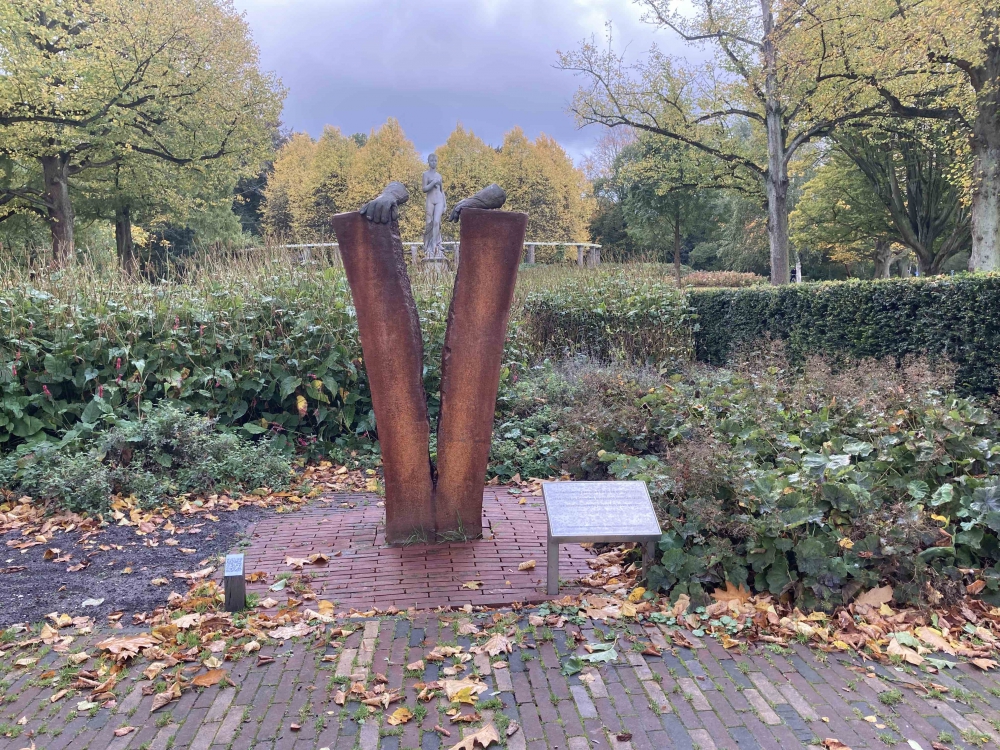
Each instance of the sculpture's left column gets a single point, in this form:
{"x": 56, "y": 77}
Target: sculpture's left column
{"x": 389, "y": 327}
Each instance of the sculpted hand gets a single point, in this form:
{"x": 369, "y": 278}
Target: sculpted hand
{"x": 488, "y": 198}
{"x": 385, "y": 208}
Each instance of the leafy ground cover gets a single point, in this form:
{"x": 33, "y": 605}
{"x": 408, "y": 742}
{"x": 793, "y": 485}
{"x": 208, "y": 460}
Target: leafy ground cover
{"x": 811, "y": 486}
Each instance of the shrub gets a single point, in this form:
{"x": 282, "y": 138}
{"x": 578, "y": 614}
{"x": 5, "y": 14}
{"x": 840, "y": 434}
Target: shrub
{"x": 937, "y": 318}
{"x": 276, "y": 355}
{"x": 723, "y": 279}
{"x": 610, "y": 317}
{"x": 811, "y": 483}
{"x": 166, "y": 454}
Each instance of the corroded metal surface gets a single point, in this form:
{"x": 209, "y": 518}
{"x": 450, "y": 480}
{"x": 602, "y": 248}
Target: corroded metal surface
{"x": 394, "y": 359}
{"x": 491, "y": 244}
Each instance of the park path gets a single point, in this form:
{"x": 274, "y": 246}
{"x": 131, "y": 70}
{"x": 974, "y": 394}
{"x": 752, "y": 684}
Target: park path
{"x": 705, "y": 698}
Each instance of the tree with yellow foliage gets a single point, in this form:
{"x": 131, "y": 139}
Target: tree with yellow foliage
{"x": 313, "y": 180}
{"x": 467, "y": 165}
{"x": 386, "y": 156}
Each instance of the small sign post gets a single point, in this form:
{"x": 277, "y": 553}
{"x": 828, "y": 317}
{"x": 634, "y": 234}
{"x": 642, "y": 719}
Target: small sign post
{"x": 235, "y": 584}
{"x": 613, "y": 512}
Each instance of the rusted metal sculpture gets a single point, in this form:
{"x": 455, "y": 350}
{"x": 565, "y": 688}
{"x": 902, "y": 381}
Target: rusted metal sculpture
{"x": 393, "y": 349}
{"x": 420, "y": 502}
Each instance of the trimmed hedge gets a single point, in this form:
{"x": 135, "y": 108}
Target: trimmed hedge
{"x": 957, "y": 318}
{"x": 611, "y": 317}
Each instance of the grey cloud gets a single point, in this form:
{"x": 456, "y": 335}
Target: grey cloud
{"x": 486, "y": 63}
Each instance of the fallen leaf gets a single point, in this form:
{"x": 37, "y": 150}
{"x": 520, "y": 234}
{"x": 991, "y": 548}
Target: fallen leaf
{"x": 159, "y": 582}
{"x": 92, "y": 602}
{"x": 497, "y": 645}
{"x": 831, "y": 744}
{"x": 58, "y": 696}
{"x": 209, "y": 678}
{"x": 731, "y": 593}
{"x": 876, "y": 597}
{"x": 462, "y": 691}
{"x": 483, "y": 738}
{"x": 527, "y": 565}
{"x": 122, "y": 731}
{"x": 416, "y": 666}
{"x": 985, "y": 664}
{"x": 474, "y": 585}
{"x": 162, "y": 699}
{"x": 400, "y": 716}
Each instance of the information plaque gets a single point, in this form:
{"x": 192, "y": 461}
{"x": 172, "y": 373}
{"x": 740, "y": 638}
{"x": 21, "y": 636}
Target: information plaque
{"x": 613, "y": 512}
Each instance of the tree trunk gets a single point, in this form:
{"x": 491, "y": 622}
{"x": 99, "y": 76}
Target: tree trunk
{"x": 677, "y": 245}
{"x": 776, "y": 178}
{"x": 123, "y": 239}
{"x": 986, "y": 178}
{"x": 55, "y": 173}
{"x": 883, "y": 258}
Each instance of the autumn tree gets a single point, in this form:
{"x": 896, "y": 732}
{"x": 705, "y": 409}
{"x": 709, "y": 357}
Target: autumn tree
{"x": 768, "y": 73}
{"x": 88, "y": 83}
{"x": 312, "y": 180}
{"x": 840, "y": 216}
{"x": 308, "y": 185}
{"x": 388, "y": 155}
{"x": 467, "y": 164}
{"x": 541, "y": 180}
{"x": 938, "y": 60}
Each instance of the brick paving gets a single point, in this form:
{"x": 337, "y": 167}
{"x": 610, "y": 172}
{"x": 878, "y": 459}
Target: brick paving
{"x": 765, "y": 698}
{"x": 705, "y": 698}
{"x": 365, "y": 573}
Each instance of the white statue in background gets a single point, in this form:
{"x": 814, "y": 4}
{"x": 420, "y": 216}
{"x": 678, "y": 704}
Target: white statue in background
{"x": 433, "y": 186}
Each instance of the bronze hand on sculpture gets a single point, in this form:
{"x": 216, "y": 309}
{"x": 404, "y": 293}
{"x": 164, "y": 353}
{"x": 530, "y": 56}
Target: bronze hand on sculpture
{"x": 417, "y": 501}
{"x": 385, "y": 208}
{"x": 488, "y": 198}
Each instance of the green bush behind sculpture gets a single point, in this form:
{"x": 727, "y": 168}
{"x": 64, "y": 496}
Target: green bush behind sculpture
{"x": 951, "y": 318}
{"x": 278, "y": 355}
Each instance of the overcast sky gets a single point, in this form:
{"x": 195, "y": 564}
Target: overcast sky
{"x": 433, "y": 63}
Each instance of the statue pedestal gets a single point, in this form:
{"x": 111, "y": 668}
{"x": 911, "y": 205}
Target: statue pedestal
{"x": 435, "y": 265}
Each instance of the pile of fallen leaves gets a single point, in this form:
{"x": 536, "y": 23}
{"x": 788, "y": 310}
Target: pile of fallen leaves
{"x": 870, "y": 626}
{"x": 40, "y": 522}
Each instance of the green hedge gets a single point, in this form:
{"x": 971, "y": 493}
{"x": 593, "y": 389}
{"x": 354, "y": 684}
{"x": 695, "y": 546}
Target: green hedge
{"x": 610, "y": 317}
{"x": 956, "y": 318}
{"x": 278, "y": 356}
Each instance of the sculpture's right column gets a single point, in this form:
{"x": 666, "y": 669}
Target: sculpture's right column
{"x": 491, "y": 242}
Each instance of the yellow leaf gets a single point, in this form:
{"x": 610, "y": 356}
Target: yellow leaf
{"x": 527, "y": 565}
{"x": 846, "y": 543}
{"x": 400, "y": 716}
{"x": 636, "y": 594}
{"x": 474, "y": 585}
{"x": 731, "y": 593}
